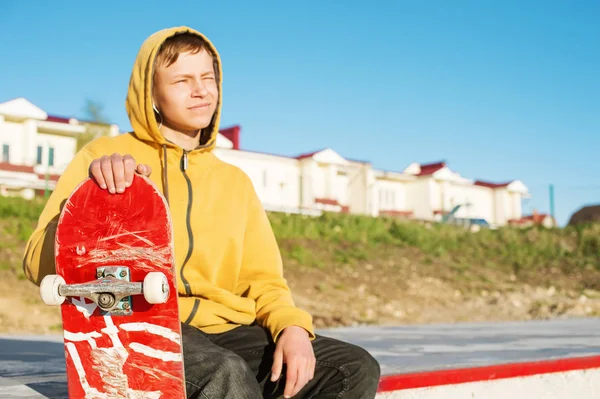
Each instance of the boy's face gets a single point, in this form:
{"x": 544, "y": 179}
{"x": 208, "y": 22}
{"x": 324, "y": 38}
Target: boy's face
{"x": 186, "y": 92}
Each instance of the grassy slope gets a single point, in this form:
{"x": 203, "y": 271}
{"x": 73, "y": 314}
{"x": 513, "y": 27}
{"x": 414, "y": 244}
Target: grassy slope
{"x": 533, "y": 255}
{"x": 354, "y": 269}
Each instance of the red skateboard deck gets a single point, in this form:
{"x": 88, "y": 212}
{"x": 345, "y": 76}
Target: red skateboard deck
{"x": 110, "y": 246}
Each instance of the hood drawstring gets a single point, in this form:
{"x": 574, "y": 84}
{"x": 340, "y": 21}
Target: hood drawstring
{"x": 165, "y": 178}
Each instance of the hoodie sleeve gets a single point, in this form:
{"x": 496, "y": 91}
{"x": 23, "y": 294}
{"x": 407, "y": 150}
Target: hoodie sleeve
{"x": 38, "y": 260}
{"x": 261, "y": 275}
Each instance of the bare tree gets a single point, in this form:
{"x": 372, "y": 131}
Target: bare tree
{"x": 96, "y": 123}
{"x": 93, "y": 112}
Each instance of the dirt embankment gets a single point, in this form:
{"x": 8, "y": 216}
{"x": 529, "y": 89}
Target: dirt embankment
{"x": 390, "y": 285}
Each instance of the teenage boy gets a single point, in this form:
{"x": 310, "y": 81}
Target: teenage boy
{"x": 243, "y": 337}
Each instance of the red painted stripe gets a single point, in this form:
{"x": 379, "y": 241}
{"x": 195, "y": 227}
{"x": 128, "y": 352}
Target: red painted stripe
{"x": 486, "y": 373}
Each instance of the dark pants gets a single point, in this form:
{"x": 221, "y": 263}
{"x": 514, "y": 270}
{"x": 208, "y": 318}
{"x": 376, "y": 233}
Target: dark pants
{"x": 237, "y": 364}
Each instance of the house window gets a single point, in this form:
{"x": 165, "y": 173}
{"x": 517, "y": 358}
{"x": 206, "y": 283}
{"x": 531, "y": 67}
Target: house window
{"x": 51, "y": 156}
{"x": 387, "y": 198}
{"x": 39, "y": 155}
{"x": 5, "y": 153}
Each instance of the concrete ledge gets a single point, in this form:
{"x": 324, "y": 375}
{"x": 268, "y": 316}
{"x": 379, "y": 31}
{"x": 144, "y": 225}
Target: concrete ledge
{"x": 553, "y": 379}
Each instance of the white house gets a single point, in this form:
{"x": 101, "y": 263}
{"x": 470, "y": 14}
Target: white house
{"x": 446, "y": 190}
{"x": 326, "y": 181}
{"x": 37, "y": 147}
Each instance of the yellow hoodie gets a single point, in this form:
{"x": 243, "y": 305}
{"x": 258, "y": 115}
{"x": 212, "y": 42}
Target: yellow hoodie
{"x": 228, "y": 262}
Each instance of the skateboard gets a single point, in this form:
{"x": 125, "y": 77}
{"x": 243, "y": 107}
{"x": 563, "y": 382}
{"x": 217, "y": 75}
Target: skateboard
{"x": 116, "y": 285}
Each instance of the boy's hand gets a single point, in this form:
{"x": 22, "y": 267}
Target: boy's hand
{"x": 295, "y": 350}
{"x": 115, "y": 172}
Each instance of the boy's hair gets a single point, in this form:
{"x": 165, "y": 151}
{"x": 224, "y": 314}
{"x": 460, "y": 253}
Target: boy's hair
{"x": 181, "y": 43}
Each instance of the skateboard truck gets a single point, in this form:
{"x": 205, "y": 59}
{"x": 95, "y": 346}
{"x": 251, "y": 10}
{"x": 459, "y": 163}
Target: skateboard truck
{"x": 111, "y": 291}
{"x": 118, "y": 301}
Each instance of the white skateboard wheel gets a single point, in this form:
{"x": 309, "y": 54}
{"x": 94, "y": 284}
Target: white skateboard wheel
{"x": 156, "y": 288}
{"x": 49, "y": 290}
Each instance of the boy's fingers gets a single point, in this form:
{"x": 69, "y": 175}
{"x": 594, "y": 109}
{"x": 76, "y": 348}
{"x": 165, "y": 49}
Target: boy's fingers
{"x": 144, "y": 170}
{"x": 148, "y": 170}
{"x": 311, "y": 369}
{"x": 96, "y": 173}
{"x": 107, "y": 174}
{"x": 302, "y": 377}
{"x": 128, "y": 169}
{"x": 118, "y": 172}
{"x": 277, "y": 365}
{"x": 291, "y": 378}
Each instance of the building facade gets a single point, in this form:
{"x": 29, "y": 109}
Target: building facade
{"x": 36, "y": 148}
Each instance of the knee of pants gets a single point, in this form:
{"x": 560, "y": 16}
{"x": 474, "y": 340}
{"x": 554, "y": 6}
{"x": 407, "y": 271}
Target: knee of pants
{"x": 221, "y": 368}
{"x": 226, "y": 375}
{"x": 368, "y": 368}
{"x": 233, "y": 366}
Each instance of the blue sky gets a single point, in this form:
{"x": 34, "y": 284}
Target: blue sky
{"x": 500, "y": 90}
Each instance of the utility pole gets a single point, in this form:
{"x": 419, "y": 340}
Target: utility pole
{"x": 551, "y": 189}
{"x": 46, "y": 188}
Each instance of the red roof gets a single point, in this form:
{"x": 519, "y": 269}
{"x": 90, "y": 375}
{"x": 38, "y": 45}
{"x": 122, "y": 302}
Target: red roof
{"x": 16, "y": 168}
{"x": 395, "y": 213}
{"x": 309, "y": 154}
{"x": 50, "y": 177}
{"x": 57, "y": 119}
{"x": 490, "y": 184}
{"x": 62, "y": 119}
{"x": 334, "y": 202}
{"x": 327, "y": 201}
{"x": 430, "y": 168}
{"x": 233, "y": 134}
{"x": 536, "y": 218}
{"x": 9, "y": 167}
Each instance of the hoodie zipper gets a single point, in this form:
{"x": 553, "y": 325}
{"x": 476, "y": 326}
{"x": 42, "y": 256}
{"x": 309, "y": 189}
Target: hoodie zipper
{"x": 186, "y": 284}
{"x": 184, "y": 161}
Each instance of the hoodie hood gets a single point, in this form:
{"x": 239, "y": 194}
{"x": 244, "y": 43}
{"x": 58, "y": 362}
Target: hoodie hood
{"x": 139, "y": 96}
